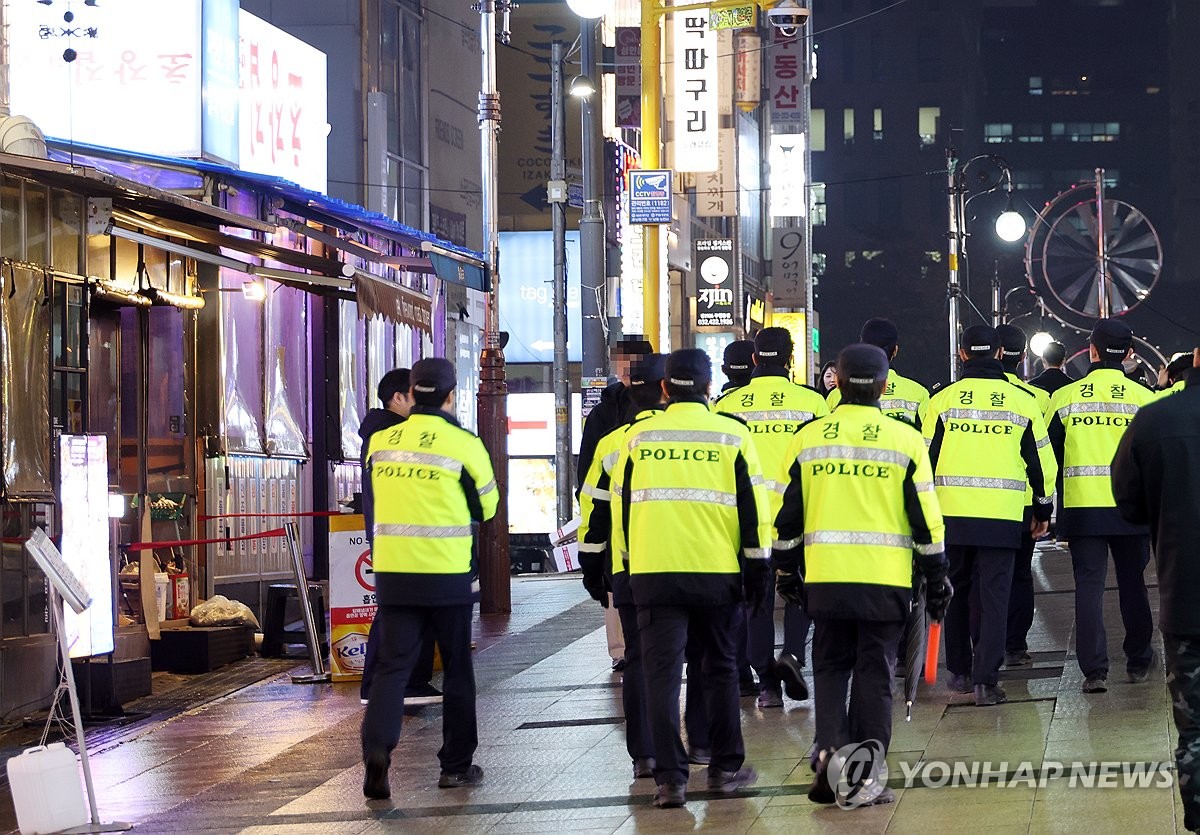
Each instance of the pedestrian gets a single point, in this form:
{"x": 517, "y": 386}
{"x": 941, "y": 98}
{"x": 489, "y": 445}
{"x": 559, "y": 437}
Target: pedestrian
{"x": 606, "y": 416}
{"x": 827, "y": 379}
{"x": 902, "y": 397}
{"x": 1053, "y": 377}
{"x": 1154, "y": 483}
{"x": 858, "y": 510}
{"x": 738, "y": 363}
{"x": 774, "y": 408}
{"x": 603, "y": 576}
{"x": 1020, "y": 597}
{"x": 393, "y": 392}
{"x": 1174, "y": 374}
{"x": 691, "y": 513}
{"x": 1087, "y": 420}
{"x": 432, "y": 480}
{"x": 987, "y": 443}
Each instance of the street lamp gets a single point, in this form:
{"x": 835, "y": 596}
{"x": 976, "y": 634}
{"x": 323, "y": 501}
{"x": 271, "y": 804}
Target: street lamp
{"x": 1010, "y": 226}
{"x": 582, "y": 87}
{"x": 590, "y": 9}
{"x": 1039, "y": 342}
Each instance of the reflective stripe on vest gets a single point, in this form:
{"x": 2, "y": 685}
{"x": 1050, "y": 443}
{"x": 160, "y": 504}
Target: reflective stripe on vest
{"x": 896, "y": 403}
{"x": 1073, "y": 472}
{"x": 684, "y": 494}
{"x": 854, "y": 453}
{"x": 400, "y": 456}
{"x": 776, "y": 414}
{"x": 1102, "y": 408}
{"x": 978, "y": 481}
{"x": 892, "y": 540}
{"x": 699, "y": 436}
{"x": 423, "y": 531}
{"x": 596, "y": 493}
{"x": 757, "y": 553}
{"x": 986, "y": 414}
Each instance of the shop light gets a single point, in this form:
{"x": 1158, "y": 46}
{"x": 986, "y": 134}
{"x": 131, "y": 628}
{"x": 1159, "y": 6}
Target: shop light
{"x": 254, "y": 291}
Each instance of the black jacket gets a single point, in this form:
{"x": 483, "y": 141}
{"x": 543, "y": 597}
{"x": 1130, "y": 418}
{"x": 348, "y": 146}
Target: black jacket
{"x": 1156, "y": 481}
{"x": 375, "y": 420}
{"x": 1051, "y": 380}
{"x": 606, "y": 416}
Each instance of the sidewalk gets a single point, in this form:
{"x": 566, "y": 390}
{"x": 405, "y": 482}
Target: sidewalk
{"x": 282, "y": 758}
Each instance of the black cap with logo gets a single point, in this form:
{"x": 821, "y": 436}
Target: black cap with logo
{"x": 979, "y": 341}
{"x": 689, "y": 368}
{"x": 773, "y": 346}
{"x": 862, "y": 364}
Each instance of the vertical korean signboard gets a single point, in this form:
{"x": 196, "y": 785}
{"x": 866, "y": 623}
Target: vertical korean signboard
{"x": 627, "y": 55}
{"x": 717, "y": 191}
{"x": 351, "y": 596}
{"x": 695, "y": 93}
{"x": 786, "y": 79}
{"x": 716, "y": 280}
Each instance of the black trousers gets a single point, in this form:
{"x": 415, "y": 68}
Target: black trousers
{"x": 422, "y": 672}
{"x": 1089, "y": 559}
{"x": 761, "y": 634}
{"x": 664, "y": 631}
{"x": 402, "y": 630}
{"x": 982, "y": 578}
{"x": 1020, "y": 597}
{"x": 633, "y": 688}
{"x": 1183, "y": 679}
{"x": 864, "y": 651}
{"x": 695, "y": 701}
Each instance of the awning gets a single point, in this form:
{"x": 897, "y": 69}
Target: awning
{"x": 458, "y": 271}
{"x": 393, "y": 302}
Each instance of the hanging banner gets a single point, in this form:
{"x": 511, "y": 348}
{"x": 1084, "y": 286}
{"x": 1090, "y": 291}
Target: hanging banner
{"x": 627, "y": 56}
{"x": 789, "y": 274}
{"x": 351, "y": 596}
{"x": 717, "y": 191}
{"x": 715, "y": 283}
{"x": 695, "y": 95}
{"x": 786, "y": 79}
{"x": 747, "y": 70}
{"x": 789, "y": 187}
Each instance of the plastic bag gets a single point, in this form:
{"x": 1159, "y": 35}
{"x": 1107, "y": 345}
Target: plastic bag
{"x": 219, "y": 610}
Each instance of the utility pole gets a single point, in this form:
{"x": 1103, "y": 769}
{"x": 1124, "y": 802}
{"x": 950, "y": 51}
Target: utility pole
{"x": 591, "y": 229}
{"x": 556, "y": 196}
{"x": 954, "y": 191}
{"x": 495, "y": 566}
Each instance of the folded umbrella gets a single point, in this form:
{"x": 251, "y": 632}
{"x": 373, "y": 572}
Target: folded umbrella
{"x": 914, "y": 643}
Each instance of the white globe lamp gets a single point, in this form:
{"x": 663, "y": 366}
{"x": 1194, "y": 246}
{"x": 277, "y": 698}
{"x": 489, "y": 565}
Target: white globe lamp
{"x": 1039, "y": 341}
{"x": 590, "y": 9}
{"x": 1010, "y": 226}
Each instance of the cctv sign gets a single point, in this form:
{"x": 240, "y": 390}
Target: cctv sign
{"x": 716, "y": 282}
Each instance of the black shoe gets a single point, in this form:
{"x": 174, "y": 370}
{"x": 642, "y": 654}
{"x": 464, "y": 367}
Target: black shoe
{"x": 989, "y": 694}
{"x": 1139, "y": 674}
{"x": 1020, "y": 658}
{"x": 770, "y": 696}
{"x": 727, "y": 782}
{"x": 886, "y": 795}
{"x": 422, "y": 694}
{"x": 618, "y": 665}
{"x": 820, "y": 791}
{"x": 699, "y": 756}
{"x": 375, "y": 783}
{"x": 748, "y": 687}
{"x": 670, "y": 796}
{"x": 1095, "y": 683}
{"x": 959, "y": 684}
{"x": 473, "y": 776}
{"x": 643, "y": 767}
{"x": 789, "y": 670}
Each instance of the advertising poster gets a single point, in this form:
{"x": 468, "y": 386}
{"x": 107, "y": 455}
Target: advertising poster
{"x": 716, "y": 279}
{"x": 351, "y": 596}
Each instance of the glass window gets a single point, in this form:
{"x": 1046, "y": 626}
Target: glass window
{"x": 99, "y": 256}
{"x": 996, "y": 132}
{"x": 816, "y": 129}
{"x": 877, "y": 124}
{"x": 816, "y": 196}
{"x": 11, "y": 239}
{"x": 65, "y": 220}
{"x": 37, "y": 247}
{"x": 848, "y": 125}
{"x": 1035, "y": 85}
{"x": 927, "y": 125}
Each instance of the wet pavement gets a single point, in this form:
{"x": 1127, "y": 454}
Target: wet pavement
{"x": 277, "y": 757}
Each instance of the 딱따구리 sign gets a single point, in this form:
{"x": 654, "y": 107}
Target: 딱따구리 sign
{"x": 716, "y": 281}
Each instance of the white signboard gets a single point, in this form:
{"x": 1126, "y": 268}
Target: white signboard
{"x": 135, "y": 80}
{"x": 789, "y": 189}
{"x": 283, "y": 105}
{"x": 695, "y": 94}
{"x": 83, "y": 491}
{"x": 717, "y": 191}
{"x": 531, "y": 424}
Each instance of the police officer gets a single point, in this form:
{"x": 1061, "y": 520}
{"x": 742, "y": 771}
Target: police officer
{"x": 691, "y": 514}
{"x": 432, "y": 480}
{"x": 902, "y": 398}
{"x": 1087, "y": 421}
{"x": 738, "y": 364}
{"x": 987, "y": 442}
{"x": 1020, "y": 598}
{"x": 859, "y": 508}
{"x": 602, "y": 574}
{"x": 774, "y": 408}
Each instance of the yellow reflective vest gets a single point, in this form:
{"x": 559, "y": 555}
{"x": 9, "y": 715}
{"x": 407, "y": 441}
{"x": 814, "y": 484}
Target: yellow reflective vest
{"x": 432, "y": 479}
{"x": 858, "y": 506}
{"x": 1087, "y": 420}
{"x": 902, "y": 398}
{"x": 1040, "y": 395}
{"x": 988, "y": 443}
{"x": 689, "y": 498}
{"x": 774, "y": 408}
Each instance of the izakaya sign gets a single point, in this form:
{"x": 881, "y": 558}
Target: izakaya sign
{"x": 715, "y": 282}
{"x": 695, "y": 94}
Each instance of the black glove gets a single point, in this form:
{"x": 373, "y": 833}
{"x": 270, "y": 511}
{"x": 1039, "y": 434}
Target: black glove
{"x": 790, "y": 586}
{"x": 593, "y": 580}
{"x": 937, "y": 598}
{"x": 756, "y": 577}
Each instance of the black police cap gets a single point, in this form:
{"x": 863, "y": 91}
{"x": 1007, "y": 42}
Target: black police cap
{"x": 1112, "y": 338}
{"x": 862, "y": 364}
{"x": 773, "y": 346}
{"x": 433, "y": 375}
{"x": 880, "y": 332}
{"x": 632, "y": 345}
{"x": 979, "y": 340}
{"x": 648, "y": 369}
{"x": 739, "y": 355}
{"x": 1012, "y": 340}
{"x": 689, "y": 368}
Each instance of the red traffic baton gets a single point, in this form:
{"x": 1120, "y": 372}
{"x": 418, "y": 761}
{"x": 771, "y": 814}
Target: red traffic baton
{"x": 932, "y": 646}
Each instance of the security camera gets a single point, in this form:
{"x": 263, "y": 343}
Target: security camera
{"x": 788, "y": 17}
